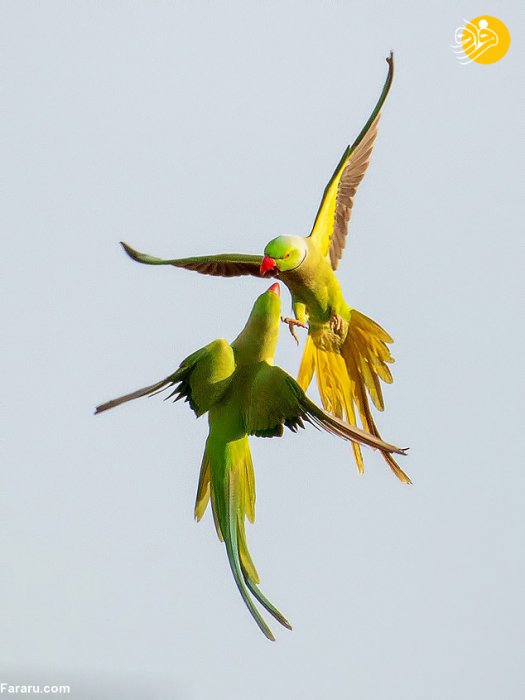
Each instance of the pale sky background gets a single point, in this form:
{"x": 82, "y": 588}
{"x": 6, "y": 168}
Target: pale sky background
{"x": 190, "y": 128}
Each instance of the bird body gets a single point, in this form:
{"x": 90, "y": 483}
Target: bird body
{"x": 345, "y": 350}
{"x": 244, "y": 394}
{"x": 312, "y": 283}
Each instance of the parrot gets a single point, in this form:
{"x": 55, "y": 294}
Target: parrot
{"x": 244, "y": 394}
{"x": 346, "y": 350}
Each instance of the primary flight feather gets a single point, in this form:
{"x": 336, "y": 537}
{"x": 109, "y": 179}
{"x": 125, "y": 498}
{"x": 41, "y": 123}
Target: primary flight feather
{"x": 244, "y": 394}
{"x": 346, "y": 351}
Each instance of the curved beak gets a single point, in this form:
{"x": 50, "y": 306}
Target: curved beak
{"x": 267, "y": 264}
{"x": 275, "y": 289}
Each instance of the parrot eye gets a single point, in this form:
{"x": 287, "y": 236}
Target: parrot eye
{"x": 286, "y": 256}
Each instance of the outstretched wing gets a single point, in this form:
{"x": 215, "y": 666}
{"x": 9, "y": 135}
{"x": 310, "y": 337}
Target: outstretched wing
{"x": 331, "y": 223}
{"x": 201, "y": 379}
{"x": 223, "y": 265}
{"x": 274, "y": 401}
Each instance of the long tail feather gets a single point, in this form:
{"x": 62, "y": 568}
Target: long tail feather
{"x": 266, "y": 603}
{"x": 227, "y": 476}
{"x": 232, "y": 548}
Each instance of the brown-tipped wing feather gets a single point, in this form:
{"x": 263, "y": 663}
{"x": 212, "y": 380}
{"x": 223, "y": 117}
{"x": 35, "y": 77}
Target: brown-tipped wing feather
{"x": 280, "y": 402}
{"x": 201, "y": 379}
{"x": 148, "y": 390}
{"x": 222, "y": 265}
{"x": 335, "y": 426}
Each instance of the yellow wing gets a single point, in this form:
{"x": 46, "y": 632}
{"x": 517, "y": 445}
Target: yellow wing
{"x": 331, "y": 223}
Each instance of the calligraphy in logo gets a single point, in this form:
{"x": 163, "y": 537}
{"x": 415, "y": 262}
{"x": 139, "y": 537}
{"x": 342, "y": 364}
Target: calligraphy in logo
{"x": 484, "y": 39}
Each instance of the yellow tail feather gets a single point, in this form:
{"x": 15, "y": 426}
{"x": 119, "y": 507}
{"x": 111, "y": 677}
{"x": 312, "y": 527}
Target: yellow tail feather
{"x": 203, "y": 489}
{"x": 344, "y": 377}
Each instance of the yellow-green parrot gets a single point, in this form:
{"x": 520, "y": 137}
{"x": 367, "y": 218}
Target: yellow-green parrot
{"x": 244, "y": 394}
{"x": 346, "y": 350}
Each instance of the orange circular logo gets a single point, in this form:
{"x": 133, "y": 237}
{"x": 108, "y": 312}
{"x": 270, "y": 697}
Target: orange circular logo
{"x": 485, "y": 39}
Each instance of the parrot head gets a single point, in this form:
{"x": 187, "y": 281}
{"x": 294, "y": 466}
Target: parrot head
{"x": 283, "y": 253}
{"x": 268, "y": 304}
{"x": 258, "y": 339}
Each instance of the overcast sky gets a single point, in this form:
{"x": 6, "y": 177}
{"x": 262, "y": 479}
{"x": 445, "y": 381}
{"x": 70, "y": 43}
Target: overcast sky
{"x": 190, "y": 128}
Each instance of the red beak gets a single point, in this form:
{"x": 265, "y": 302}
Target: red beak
{"x": 267, "y": 264}
{"x": 275, "y": 289}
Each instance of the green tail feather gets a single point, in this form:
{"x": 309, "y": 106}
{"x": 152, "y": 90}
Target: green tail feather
{"x": 266, "y": 603}
{"x": 232, "y": 549}
{"x": 230, "y": 464}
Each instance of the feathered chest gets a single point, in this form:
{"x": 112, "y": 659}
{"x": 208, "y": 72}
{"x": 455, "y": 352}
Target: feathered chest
{"x": 315, "y": 285}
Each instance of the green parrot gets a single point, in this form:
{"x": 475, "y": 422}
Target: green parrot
{"x": 346, "y": 351}
{"x": 244, "y": 394}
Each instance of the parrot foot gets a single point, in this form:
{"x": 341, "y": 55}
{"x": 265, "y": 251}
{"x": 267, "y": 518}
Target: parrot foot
{"x": 336, "y": 324}
{"x": 291, "y": 323}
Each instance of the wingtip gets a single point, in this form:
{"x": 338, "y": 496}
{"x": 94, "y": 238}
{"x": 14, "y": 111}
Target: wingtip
{"x": 103, "y": 408}
{"x": 129, "y": 250}
{"x": 390, "y": 61}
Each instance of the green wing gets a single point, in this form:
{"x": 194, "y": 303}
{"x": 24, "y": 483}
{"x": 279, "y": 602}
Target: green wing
{"x": 274, "y": 400}
{"x": 201, "y": 380}
{"x": 331, "y": 222}
{"x": 223, "y": 265}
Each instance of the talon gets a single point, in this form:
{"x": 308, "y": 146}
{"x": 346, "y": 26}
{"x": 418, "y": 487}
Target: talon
{"x": 291, "y": 323}
{"x": 336, "y": 324}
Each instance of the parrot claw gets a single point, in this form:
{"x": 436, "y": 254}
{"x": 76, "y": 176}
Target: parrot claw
{"x": 291, "y": 323}
{"x": 336, "y": 324}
